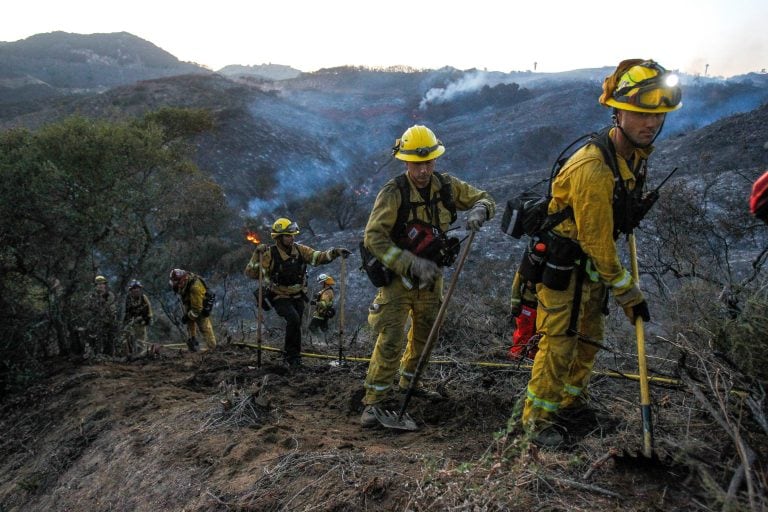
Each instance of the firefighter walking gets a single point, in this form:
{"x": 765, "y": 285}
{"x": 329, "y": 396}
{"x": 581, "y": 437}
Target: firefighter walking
{"x": 641, "y": 93}
{"x": 285, "y": 277}
{"x": 406, "y": 232}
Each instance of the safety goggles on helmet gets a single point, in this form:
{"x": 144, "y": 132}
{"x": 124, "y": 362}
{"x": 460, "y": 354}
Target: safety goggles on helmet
{"x": 287, "y": 230}
{"x": 659, "y": 92}
{"x": 135, "y": 284}
{"x": 422, "y": 152}
{"x": 650, "y": 94}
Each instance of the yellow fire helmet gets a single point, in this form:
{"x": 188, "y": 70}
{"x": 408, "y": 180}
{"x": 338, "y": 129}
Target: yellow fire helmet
{"x": 283, "y": 226}
{"x": 642, "y": 86}
{"x": 100, "y": 280}
{"x": 326, "y": 279}
{"x": 418, "y": 144}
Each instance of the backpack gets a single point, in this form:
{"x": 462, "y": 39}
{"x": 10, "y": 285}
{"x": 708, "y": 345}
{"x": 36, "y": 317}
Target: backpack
{"x": 527, "y": 213}
{"x": 330, "y": 311}
{"x": 209, "y": 300}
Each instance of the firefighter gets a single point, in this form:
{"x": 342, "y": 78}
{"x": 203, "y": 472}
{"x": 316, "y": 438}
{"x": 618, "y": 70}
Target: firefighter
{"x": 285, "y": 277}
{"x": 323, "y": 303}
{"x": 523, "y": 313}
{"x": 758, "y": 200}
{"x": 138, "y": 315}
{"x": 641, "y": 93}
{"x": 197, "y": 303}
{"x": 406, "y": 232}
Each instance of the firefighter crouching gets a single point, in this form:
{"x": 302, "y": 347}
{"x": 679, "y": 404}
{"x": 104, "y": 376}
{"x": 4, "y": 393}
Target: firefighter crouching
{"x": 406, "y": 233}
{"x": 198, "y": 303}
{"x": 323, "y": 303}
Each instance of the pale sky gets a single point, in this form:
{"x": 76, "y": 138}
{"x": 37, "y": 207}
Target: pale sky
{"x": 498, "y": 35}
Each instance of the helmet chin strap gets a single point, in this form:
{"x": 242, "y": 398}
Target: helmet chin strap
{"x": 615, "y": 120}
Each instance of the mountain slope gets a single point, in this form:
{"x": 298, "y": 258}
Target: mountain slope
{"x": 70, "y": 62}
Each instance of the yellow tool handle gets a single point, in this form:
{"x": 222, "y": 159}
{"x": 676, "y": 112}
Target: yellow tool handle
{"x": 642, "y": 362}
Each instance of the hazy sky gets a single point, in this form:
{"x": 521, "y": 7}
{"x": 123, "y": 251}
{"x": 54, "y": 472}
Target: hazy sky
{"x": 729, "y": 35}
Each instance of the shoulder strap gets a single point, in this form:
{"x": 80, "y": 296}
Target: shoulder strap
{"x": 405, "y": 202}
{"x": 621, "y": 196}
{"x": 446, "y": 197}
{"x": 275, "y": 263}
{"x": 446, "y": 194}
{"x": 203, "y": 282}
{"x": 604, "y": 144}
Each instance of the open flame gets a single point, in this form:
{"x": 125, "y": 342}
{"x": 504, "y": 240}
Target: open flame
{"x": 253, "y": 237}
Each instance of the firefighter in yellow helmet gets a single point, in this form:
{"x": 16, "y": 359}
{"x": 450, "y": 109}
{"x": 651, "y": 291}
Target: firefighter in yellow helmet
{"x": 198, "y": 302}
{"x": 406, "y": 233}
{"x": 641, "y": 93}
{"x": 323, "y": 303}
{"x": 285, "y": 277}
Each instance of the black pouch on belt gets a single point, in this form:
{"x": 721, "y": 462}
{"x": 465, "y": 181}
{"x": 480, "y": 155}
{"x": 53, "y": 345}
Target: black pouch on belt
{"x": 561, "y": 260}
{"x": 534, "y": 257}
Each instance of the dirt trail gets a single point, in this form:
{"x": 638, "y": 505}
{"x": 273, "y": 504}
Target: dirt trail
{"x": 146, "y": 434}
{"x": 153, "y": 435}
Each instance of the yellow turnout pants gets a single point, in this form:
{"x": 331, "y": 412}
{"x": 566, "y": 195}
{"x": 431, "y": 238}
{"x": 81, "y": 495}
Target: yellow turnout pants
{"x": 206, "y": 328}
{"x": 563, "y": 364}
{"x": 393, "y": 306}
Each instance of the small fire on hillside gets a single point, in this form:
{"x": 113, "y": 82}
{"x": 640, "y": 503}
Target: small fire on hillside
{"x": 253, "y": 237}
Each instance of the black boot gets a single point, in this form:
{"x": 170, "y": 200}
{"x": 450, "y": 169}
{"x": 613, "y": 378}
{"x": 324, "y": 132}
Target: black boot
{"x": 193, "y": 344}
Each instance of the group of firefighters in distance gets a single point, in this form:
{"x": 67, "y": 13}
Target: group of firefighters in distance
{"x": 406, "y": 230}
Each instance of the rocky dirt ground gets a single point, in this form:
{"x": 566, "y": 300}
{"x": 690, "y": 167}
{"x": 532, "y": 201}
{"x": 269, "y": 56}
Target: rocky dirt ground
{"x": 156, "y": 434}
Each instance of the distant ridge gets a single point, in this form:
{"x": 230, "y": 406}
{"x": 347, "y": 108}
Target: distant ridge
{"x": 68, "y": 63}
{"x": 263, "y": 71}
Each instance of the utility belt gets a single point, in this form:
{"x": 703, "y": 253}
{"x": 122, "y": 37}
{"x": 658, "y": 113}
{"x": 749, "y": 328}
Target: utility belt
{"x": 550, "y": 259}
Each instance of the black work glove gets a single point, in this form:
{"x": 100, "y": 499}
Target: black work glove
{"x": 641, "y": 310}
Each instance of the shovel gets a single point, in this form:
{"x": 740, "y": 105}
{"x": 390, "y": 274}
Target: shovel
{"x": 642, "y": 363}
{"x": 402, "y": 420}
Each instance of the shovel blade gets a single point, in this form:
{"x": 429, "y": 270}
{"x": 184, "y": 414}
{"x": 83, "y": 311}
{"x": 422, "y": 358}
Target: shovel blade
{"x": 390, "y": 419}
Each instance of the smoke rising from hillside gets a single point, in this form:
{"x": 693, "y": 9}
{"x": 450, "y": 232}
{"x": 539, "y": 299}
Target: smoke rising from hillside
{"x": 468, "y": 83}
